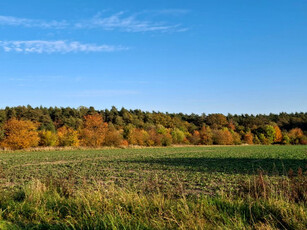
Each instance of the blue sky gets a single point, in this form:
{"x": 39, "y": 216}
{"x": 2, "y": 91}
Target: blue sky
{"x": 247, "y": 56}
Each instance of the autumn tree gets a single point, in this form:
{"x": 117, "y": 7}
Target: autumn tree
{"x": 216, "y": 120}
{"x": 113, "y": 137}
{"x": 155, "y": 139}
{"x": 178, "y": 136}
{"x": 138, "y": 137}
{"x": 166, "y": 139}
{"x": 231, "y": 126}
{"x": 67, "y": 136}
{"x": 20, "y": 134}
{"x": 47, "y": 138}
{"x": 248, "y": 138}
{"x": 295, "y": 135}
{"x": 94, "y": 131}
{"x": 222, "y": 137}
{"x": 206, "y": 135}
{"x": 195, "y": 138}
{"x": 278, "y": 135}
{"x": 285, "y": 139}
{"x": 236, "y": 137}
{"x": 303, "y": 140}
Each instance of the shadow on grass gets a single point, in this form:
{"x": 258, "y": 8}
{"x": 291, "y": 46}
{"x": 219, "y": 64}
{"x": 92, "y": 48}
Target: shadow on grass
{"x": 228, "y": 165}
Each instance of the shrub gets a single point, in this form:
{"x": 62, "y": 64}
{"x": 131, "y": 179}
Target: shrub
{"x": 124, "y": 143}
{"x": 303, "y": 140}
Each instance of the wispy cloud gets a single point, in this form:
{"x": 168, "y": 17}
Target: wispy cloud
{"x": 119, "y": 21}
{"x": 169, "y": 12}
{"x": 103, "y": 93}
{"x": 128, "y": 23}
{"x": 40, "y": 46}
{"x": 14, "y": 21}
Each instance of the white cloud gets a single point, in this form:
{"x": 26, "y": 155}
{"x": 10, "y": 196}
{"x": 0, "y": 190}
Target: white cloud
{"x": 125, "y": 23}
{"x": 14, "y": 21}
{"x": 40, "y": 46}
{"x": 119, "y": 21}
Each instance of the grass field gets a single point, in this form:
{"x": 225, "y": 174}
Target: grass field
{"x": 234, "y": 187}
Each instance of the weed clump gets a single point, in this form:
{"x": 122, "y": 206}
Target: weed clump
{"x": 292, "y": 187}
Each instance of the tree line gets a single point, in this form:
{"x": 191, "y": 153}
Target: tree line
{"x": 25, "y": 127}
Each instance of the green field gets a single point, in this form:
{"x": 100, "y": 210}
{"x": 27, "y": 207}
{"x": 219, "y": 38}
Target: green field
{"x": 153, "y": 188}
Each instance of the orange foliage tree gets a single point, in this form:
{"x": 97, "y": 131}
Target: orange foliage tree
{"x": 222, "y": 137}
{"x": 154, "y": 137}
{"x": 206, "y": 135}
{"x": 94, "y": 131}
{"x": 248, "y": 138}
{"x": 194, "y": 138}
{"x": 278, "y": 135}
{"x": 20, "y": 134}
{"x": 295, "y": 135}
{"x": 67, "y": 136}
{"x": 113, "y": 137}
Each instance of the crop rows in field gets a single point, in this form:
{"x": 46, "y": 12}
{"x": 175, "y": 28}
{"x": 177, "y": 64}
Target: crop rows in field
{"x": 195, "y": 169}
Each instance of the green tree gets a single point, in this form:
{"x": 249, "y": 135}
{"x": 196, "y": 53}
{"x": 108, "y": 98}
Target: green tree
{"x": 178, "y": 136}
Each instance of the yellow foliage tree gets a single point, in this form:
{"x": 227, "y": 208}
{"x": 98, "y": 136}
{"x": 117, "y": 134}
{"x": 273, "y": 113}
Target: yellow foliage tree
{"x": 20, "y": 134}
{"x": 113, "y": 137}
{"x": 67, "y": 136}
{"x": 138, "y": 137}
{"x": 47, "y": 138}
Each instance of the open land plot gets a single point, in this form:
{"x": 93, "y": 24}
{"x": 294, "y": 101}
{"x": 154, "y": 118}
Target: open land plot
{"x": 211, "y": 178}
{"x": 199, "y": 168}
